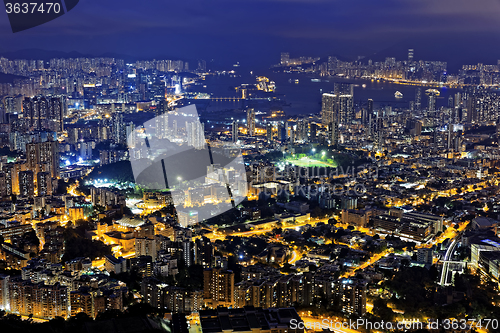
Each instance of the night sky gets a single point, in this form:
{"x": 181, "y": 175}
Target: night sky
{"x": 255, "y": 31}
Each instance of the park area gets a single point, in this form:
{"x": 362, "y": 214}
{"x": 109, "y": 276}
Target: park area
{"x": 311, "y": 161}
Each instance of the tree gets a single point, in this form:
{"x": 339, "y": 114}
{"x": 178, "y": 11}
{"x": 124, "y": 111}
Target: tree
{"x": 380, "y": 309}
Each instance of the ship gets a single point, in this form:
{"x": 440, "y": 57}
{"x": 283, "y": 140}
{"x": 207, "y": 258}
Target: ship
{"x": 398, "y": 94}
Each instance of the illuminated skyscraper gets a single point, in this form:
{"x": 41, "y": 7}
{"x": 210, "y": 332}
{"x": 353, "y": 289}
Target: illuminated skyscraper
{"x": 161, "y": 119}
{"x": 333, "y": 133}
{"x": 119, "y": 130}
{"x": 351, "y": 295}
{"x": 44, "y": 184}
{"x": 26, "y": 184}
{"x": 269, "y": 132}
{"x": 432, "y": 95}
{"x": 44, "y": 112}
{"x": 368, "y": 111}
{"x": 195, "y": 134}
{"x": 130, "y": 134}
{"x": 42, "y": 301}
{"x": 418, "y": 99}
{"x": 336, "y": 109}
{"x": 234, "y": 131}
{"x": 410, "y": 55}
{"x": 251, "y": 121}
{"x": 482, "y": 106}
{"x": 89, "y": 96}
{"x": 43, "y": 156}
{"x": 218, "y": 287}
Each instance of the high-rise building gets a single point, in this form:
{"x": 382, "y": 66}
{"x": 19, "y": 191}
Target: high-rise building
{"x": 187, "y": 247}
{"x": 432, "y": 96}
{"x": 202, "y": 66}
{"x": 410, "y": 55}
{"x": 234, "y": 131}
{"x": 187, "y": 218}
{"x": 333, "y": 133}
{"x": 482, "y": 106}
{"x": 175, "y": 299}
{"x": 44, "y": 112}
{"x": 195, "y": 134}
{"x": 43, "y": 156}
{"x": 251, "y": 121}
{"x": 130, "y": 134}
{"x": 351, "y": 296}
{"x": 218, "y": 287}
{"x": 85, "y": 150}
{"x": 26, "y": 184}
{"x": 418, "y": 99}
{"x": 146, "y": 247}
{"x": 282, "y": 132}
{"x": 203, "y": 252}
{"x": 37, "y": 299}
{"x": 367, "y": 112}
{"x": 379, "y": 131}
{"x": 332, "y": 63}
{"x": 81, "y": 301}
{"x": 425, "y": 255}
{"x": 451, "y": 103}
{"x": 161, "y": 119}
{"x": 44, "y": 184}
{"x": 119, "y": 131}
{"x": 313, "y": 132}
{"x": 269, "y": 132}
{"x": 90, "y": 96}
{"x": 337, "y": 108}
{"x": 285, "y": 58}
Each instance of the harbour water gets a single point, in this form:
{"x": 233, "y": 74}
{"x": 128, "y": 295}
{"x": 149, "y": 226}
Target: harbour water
{"x": 302, "y": 96}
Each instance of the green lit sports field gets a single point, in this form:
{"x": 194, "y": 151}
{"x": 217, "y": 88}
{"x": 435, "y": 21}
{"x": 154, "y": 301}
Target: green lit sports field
{"x": 307, "y": 162}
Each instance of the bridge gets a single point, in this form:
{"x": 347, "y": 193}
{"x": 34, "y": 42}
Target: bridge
{"x": 234, "y": 99}
{"x": 225, "y": 99}
{"x": 445, "y": 273}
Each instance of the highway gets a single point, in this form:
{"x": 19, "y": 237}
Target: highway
{"x": 447, "y": 257}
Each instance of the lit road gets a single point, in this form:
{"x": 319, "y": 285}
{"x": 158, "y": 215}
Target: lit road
{"x": 295, "y": 257}
{"x": 368, "y": 263}
{"x": 250, "y": 233}
{"x": 447, "y": 257}
{"x": 448, "y": 233}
